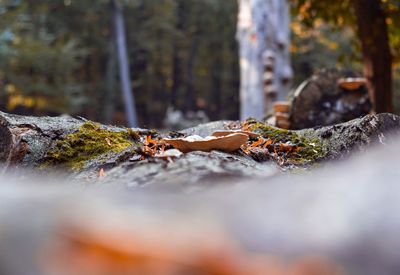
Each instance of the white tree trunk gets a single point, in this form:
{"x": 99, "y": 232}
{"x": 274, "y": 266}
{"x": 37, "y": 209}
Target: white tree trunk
{"x": 126, "y": 87}
{"x": 264, "y": 36}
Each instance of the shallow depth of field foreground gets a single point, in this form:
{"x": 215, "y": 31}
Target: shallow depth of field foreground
{"x": 215, "y": 137}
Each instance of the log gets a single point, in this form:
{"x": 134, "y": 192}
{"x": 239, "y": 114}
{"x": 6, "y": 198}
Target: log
{"x": 24, "y": 140}
{"x": 27, "y": 141}
{"x": 343, "y": 139}
{"x": 345, "y": 217}
{"x": 45, "y": 143}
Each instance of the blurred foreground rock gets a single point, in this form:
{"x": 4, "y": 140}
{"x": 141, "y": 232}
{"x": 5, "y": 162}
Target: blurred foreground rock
{"x": 341, "y": 219}
{"x": 241, "y": 216}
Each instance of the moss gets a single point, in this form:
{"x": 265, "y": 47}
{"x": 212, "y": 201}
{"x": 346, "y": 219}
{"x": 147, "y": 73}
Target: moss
{"x": 308, "y": 149}
{"x": 89, "y": 142}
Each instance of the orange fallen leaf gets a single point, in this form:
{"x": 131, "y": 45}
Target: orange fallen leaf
{"x": 149, "y": 141}
{"x": 285, "y": 147}
{"x": 267, "y": 143}
{"x": 258, "y": 142}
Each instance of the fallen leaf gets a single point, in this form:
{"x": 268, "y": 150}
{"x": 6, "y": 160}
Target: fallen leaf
{"x": 258, "y": 142}
{"x": 267, "y": 143}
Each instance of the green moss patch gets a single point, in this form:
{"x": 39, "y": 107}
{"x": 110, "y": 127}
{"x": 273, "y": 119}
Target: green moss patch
{"x": 307, "y": 149}
{"x": 89, "y": 142}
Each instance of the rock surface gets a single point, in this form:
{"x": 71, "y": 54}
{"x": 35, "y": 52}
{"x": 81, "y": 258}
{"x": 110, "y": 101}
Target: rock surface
{"x": 236, "y": 215}
{"x": 341, "y": 219}
{"x": 319, "y": 101}
{"x": 27, "y": 140}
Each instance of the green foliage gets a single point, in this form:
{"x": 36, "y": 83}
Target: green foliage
{"x": 54, "y": 56}
{"x": 340, "y": 14}
{"x": 334, "y": 22}
{"x": 322, "y": 47}
{"x": 57, "y": 56}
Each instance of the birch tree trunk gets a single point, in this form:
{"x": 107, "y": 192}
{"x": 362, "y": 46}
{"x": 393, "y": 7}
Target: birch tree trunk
{"x": 119, "y": 30}
{"x": 264, "y": 36}
{"x": 109, "y": 97}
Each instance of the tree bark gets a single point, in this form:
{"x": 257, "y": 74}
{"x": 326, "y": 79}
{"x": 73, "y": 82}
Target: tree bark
{"x": 124, "y": 73}
{"x": 177, "y": 74}
{"x": 26, "y": 141}
{"x": 263, "y": 35}
{"x": 373, "y": 34}
{"x": 190, "y": 101}
{"x": 109, "y": 98}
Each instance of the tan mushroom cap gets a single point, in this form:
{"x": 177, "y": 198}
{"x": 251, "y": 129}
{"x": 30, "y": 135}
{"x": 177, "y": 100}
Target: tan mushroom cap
{"x": 352, "y": 83}
{"x": 223, "y": 133}
{"x": 228, "y": 143}
{"x": 281, "y": 106}
{"x": 282, "y": 116}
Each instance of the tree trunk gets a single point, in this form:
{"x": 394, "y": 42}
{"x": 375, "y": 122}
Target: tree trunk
{"x": 124, "y": 73}
{"x": 373, "y": 34}
{"x": 190, "y": 102}
{"x": 263, "y": 35}
{"x": 177, "y": 74}
{"x": 109, "y": 98}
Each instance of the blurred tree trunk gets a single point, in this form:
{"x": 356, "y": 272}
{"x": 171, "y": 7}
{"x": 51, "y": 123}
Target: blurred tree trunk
{"x": 176, "y": 79}
{"x": 373, "y": 34}
{"x": 190, "y": 104}
{"x": 109, "y": 98}
{"x": 124, "y": 73}
{"x": 176, "y": 59}
{"x": 263, "y": 35}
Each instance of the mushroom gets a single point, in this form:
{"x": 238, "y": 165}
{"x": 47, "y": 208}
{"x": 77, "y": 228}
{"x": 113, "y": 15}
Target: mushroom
{"x": 223, "y": 133}
{"x": 281, "y": 107}
{"x": 282, "y": 116}
{"x": 352, "y": 83}
{"x": 228, "y": 143}
{"x": 282, "y": 120}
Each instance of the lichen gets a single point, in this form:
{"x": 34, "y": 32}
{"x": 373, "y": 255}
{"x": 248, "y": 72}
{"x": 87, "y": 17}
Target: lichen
{"x": 89, "y": 142}
{"x": 308, "y": 149}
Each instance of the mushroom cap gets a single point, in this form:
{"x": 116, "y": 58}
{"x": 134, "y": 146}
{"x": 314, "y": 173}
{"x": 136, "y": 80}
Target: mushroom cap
{"x": 352, "y": 83}
{"x": 282, "y": 116}
{"x": 228, "y": 143}
{"x": 281, "y": 106}
{"x": 223, "y": 133}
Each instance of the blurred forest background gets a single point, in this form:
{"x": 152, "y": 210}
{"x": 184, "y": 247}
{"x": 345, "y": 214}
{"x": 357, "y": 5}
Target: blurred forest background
{"x": 58, "y": 56}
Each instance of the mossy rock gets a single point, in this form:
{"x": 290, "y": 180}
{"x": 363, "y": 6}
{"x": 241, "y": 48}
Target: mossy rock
{"x": 91, "y": 141}
{"x": 309, "y": 149}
